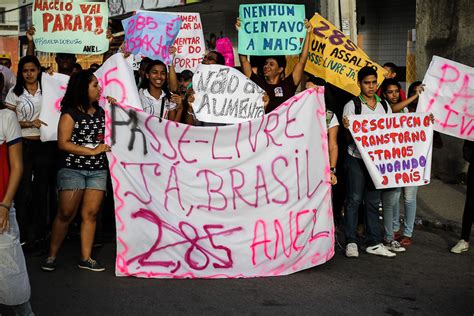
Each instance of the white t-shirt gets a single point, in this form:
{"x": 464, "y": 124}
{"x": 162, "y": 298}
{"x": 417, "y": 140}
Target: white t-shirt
{"x": 10, "y": 81}
{"x": 28, "y": 108}
{"x": 152, "y": 106}
{"x": 331, "y": 119}
{"x": 349, "y": 109}
{"x": 10, "y": 130}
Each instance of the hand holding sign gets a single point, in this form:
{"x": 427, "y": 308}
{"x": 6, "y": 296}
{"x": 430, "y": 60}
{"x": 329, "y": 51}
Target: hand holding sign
{"x": 151, "y": 34}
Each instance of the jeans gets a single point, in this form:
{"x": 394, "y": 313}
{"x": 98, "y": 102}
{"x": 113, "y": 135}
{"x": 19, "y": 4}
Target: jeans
{"x": 360, "y": 189}
{"x": 391, "y": 211}
{"x": 409, "y": 199}
{"x": 468, "y": 215}
{"x": 33, "y": 199}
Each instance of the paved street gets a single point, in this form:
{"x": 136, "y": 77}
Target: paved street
{"x": 427, "y": 279}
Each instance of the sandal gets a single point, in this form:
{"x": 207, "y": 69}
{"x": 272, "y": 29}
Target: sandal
{"x": 405, "y": 241}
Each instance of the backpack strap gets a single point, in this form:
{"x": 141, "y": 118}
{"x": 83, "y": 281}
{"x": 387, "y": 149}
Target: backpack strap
{"x": 384, "y": 104}
{"x": 357, "y": 105}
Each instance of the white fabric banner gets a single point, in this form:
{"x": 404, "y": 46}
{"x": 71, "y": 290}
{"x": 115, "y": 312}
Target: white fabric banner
{"x": 396, "y": 148}
{"x": 225, "y": 95}
{"x": 53, "y": 89}
{"x": 116, "y": 79}
{"x": 190, "y": 43}
{"x": 449, "y": 95}
{"x": 247, "y": 200}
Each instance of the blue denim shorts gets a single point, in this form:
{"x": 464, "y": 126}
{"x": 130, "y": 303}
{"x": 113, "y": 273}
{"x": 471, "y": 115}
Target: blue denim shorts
{"x": 73, "y": 179}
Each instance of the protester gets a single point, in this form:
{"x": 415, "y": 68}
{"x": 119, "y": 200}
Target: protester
{"x": 76, "y": 68}
{"x": 392, "y": 72}
{"x": 391, "y": 197}
{"x": 468, "y": 215}
{"x": 185, "y": 80}
{"x": 14, "y": 283}
{"x": 154, "y": 95}
{"x": 5, "y": 60}
{"x": 360, "y": 187}
{"x": 38, "y": 158}
{"x": 332, "y": 125}
{"x": 83, "y": 175}
{"x": 213, "y": 57}
{"x": 273, "y": 81}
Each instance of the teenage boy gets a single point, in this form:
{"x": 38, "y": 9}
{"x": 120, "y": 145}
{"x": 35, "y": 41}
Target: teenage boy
{"x": 360, "y": 187}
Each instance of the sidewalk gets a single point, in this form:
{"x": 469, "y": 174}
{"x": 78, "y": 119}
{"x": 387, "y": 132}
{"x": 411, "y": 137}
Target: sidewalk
{"x": 441, "y": 205}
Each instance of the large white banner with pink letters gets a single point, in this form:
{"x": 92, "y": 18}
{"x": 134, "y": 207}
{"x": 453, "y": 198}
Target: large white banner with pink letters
{"x": 54, "y": 86}
{"x": 449, "y": 95}
{"x": 244, "y": 200}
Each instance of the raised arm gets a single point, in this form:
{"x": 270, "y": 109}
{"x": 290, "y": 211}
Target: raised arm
{"x": 401, "y": 105}
{"x": 31, "y": 44}
{"x": 299, "y": 68}
{"x": 244, "y": 61}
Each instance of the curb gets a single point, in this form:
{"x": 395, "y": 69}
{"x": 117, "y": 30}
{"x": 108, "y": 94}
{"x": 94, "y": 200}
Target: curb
{"x": 450, "y": 226}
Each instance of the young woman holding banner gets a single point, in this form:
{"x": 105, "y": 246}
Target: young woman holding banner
{"x": 82, "y": 179}
{"x": 31, "y": 200}
{"x": 391, "y": 197}
{"x": 155, "y": 96}
{"x": 273, "y": 81}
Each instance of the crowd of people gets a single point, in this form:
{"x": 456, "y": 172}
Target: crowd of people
{"x": 44, "y": 184}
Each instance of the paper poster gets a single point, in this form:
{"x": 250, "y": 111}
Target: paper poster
{"x": 271, "y": 29}
{"x": 76, "y": 27}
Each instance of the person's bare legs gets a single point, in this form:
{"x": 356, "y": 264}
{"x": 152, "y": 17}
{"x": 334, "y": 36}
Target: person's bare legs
{"x": 69, "y": 201}
{"x": 91, "y": 203}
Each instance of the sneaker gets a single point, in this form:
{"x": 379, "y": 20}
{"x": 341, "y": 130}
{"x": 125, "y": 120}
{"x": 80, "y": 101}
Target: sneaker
{"x": 461, "y": 246}
{"x": 90, "y": 264}
{"x": 49, "y": 264}
{"x": 380, "y": 250}
{"x": 351, "y": 250}
{"x": 406, "y": 241}
{"x": 397, "y": 235}
{"x": 395, "y": 246}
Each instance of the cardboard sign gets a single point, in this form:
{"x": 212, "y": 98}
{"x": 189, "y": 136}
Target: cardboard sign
{"x": 116, "y": 79}
{"x": 271, "y": 29}
{"x": 396, "y": 148}
{"x": 190, "y": 44}
{"x": 335, "y": 58}
{"x": 246, "y": 200}
{"x": 76, "y": 27}
{"x": 449, "y": 95}
{"x": 151, "y": 34}
{"x": 224, "y": 46}
{"x": 53, "y": 89}
{"x": 225, "y": 95}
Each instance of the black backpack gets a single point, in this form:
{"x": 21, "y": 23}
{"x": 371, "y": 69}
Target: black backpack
{"x": 358, "y": 105}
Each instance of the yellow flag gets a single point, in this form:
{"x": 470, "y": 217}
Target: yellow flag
{"x": 335, "y": 58}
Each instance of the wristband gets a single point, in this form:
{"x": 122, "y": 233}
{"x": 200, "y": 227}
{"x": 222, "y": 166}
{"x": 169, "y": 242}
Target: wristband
{"x": 5, "y": 206}
{"x": 333, "y": 170}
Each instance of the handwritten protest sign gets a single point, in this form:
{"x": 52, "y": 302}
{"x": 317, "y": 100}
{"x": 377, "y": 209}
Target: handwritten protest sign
{"x": 335, "y": 58}
{"x": 151, "y": 34}
{"x": 224, "y": 46}
{"x": 396, "y": 148}
{"x": 449, "y": 95}
{"x": 271, "y": 29}
{"x": 116, "y": 79}
{"x": 190, "y": 44}
{"x": 225, "y": 95}
{"x": 246, "y": 200}
{"x": 53, "y": 90}
{"x": 77, "y": 27}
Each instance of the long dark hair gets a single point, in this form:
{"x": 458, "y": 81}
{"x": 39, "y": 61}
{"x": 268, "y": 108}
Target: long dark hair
{"x": 145, "y": 84}
{"x": 77, "y": 92}
{"x": 20, "y": 81}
